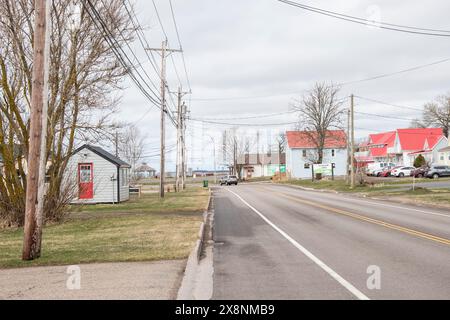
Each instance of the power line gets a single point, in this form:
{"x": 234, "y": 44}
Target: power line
{"x": 385, "y": 75}
{"x": 382, "y": 25}
{"x": 252, "y": 117}
{"x": 389, "y": 104}
{"x": 244, "y": 124}
{"x": 159, "y": 20}
{"x": 179, "y": 42}
{"x": 385, "y": 117}
{"x": 118, "y": 51}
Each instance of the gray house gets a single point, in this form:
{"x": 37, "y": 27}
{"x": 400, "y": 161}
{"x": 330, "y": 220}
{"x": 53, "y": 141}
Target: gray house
{"x": 100, "y": 176}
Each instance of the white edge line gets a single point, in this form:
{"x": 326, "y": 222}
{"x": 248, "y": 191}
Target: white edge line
{"x": 327, "y": 269}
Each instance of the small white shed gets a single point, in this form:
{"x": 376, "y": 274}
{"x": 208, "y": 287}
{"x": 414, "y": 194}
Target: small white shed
{"x": 100, "y": 176}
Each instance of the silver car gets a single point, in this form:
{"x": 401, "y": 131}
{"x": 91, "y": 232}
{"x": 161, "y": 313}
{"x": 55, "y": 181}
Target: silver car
{"x": 229, "y": 180}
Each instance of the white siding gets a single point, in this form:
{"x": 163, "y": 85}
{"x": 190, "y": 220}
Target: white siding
{"x": 105, "y": 190}
{"x": 296, "y": 162}
{"x": 125, "y": 190}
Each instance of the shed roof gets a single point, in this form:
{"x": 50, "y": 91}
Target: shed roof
{"x": 104, "y": 154}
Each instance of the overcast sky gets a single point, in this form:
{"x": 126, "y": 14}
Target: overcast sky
{"x": 270, "y": 53}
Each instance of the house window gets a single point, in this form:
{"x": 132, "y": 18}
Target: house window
{"x": 333, "y": 153}
{"x": 304, "y": 153}
{"x": 442, "y": 157}
{"x": 124, "y": 177}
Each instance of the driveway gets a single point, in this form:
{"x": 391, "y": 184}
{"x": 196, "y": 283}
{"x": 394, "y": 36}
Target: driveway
{"x": 108, "y": 281}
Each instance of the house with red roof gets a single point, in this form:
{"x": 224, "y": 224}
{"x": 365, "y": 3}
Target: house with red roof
{"x": 403, "y": 146}
{"x": 302, "y": 152}
{"x": 414, "y": 142}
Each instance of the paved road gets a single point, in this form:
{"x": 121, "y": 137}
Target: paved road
{"x": 277, "y": 242}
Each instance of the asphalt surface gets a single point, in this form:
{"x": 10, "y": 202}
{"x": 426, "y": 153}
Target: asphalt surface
{"x": 278, "y": 242}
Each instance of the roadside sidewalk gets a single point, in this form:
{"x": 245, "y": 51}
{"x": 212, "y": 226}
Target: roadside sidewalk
{"x": 106, "y": 281}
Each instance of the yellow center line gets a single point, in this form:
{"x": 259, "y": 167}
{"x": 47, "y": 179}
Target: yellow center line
{"x": 367, "y": 219}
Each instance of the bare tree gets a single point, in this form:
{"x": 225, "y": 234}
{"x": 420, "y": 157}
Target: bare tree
{"x": 281, "y": 142}
{"x": 436, "y": 114}
{"x": 236, "y": 146}
{"x": 131, "y": 147}
{"x": 320, "y": 112}
{"x": 83, "y": 75}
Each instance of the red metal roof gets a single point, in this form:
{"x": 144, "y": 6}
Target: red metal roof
{"x": 415, "y": 139}
{"x": 304, "y": 139}
{"x": 381, "y": 142}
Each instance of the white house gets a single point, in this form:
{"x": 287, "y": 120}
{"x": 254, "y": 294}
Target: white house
{"x": 444, "y": 155}
{"x": 410, "y": 143}
{"x": 261, "y": 165}
{"x": 100, "y": 176}
{"x": 302, "y": 153}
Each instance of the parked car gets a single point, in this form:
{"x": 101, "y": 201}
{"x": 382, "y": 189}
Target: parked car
{"x": 420, "y": 172}
{"x": 387, "y": 172}
{"x": 402, "y": 171}
{"x": 223, "y": 180}
{"x": 229, "y": 180}
{"x": 374, "y": 169}
{"x": 438, "y": 171}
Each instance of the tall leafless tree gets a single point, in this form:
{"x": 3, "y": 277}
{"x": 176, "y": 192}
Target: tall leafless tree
{"x": 236, "y": 146}
{"x": 84, "y": 73}
{"x": 131, "y": 147}
{"x": 436, "y": 114}
{"x": 320, "y": 111}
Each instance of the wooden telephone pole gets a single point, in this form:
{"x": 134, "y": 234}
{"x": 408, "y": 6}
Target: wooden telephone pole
{"x": 183, "y": 146}
{"x": 352, "y": 151}
{"x": 164, "y": 51}
{"x": 179, "y": 184}
{"x": 34, "y": 202}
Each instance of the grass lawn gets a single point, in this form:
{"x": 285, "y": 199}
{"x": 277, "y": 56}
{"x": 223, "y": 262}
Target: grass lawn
{"x": 191, "y": 200}
{"x": 145, "y": 229}
{"x": 421, "y": 195}
{"x": 338, "y": 185}
{"x": 385, "y": 189}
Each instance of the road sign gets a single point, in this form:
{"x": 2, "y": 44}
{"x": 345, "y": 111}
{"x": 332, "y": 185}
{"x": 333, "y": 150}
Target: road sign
{"x": 324, "y": 169}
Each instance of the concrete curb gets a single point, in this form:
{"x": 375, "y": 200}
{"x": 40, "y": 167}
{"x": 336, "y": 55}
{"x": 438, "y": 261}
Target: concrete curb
{"x": 188, "y": 284}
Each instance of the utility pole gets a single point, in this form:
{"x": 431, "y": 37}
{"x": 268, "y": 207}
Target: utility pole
{"x": 347, "y": 173}
{"x": 352, "y": 155}
{"x": 34, "y": 202}
{"x": 183, "y": 144}
{"x": 164, "y": 51}
{"x": 180, "y": 140}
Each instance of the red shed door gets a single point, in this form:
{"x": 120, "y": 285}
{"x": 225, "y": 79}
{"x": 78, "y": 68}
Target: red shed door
{"x": 86, "y": 181}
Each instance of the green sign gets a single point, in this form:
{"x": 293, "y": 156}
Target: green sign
{"x": 274, "y": 169}
{"x": 324, "y": 169}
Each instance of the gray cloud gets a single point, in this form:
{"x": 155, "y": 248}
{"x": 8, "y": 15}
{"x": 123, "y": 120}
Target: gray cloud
{"x": 262, "y": 47}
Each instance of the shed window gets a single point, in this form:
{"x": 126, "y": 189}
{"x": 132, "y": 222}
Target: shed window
{"x": 124, "y": 177}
